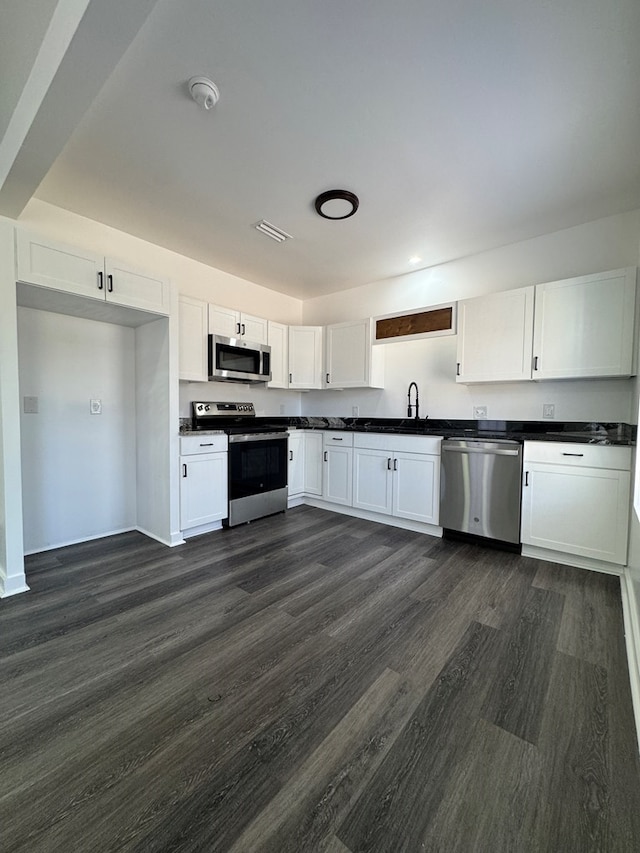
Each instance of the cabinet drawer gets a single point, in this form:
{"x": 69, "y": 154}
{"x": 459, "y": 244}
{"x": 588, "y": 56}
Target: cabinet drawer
{"x": 401, "y": 443}
{"x": 340, "y": 439}
{"x": 190, "y": 444}
{"x": 579, "y": 455}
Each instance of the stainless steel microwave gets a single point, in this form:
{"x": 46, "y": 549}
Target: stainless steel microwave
{"x": 237, "y": 360}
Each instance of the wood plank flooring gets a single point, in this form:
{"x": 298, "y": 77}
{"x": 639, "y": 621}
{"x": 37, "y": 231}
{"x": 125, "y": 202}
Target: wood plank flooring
{"x": 313, "y": 682}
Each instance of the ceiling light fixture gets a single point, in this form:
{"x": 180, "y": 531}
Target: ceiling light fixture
{"x": 204, "y": 92}
{"x": 336, "y": 204}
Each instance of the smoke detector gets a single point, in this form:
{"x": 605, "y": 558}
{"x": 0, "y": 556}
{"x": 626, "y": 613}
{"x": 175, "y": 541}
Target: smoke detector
{"x": 204, "y": 92}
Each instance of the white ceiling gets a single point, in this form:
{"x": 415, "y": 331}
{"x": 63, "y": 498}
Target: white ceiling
{"x": 461, "y": 125}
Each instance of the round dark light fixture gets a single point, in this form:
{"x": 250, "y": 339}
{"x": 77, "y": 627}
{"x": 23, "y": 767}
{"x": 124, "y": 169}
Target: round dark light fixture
{"x": 336, "y": 204}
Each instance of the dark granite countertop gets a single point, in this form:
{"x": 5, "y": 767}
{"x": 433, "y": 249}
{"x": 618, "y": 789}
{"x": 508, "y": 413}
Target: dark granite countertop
{"x": 573, "y": 431}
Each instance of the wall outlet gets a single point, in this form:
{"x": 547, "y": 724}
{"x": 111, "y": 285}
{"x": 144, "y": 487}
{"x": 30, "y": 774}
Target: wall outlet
{"x": 548, "y": 410}
{"x": 282, "y": 408}
{"x": 355, "y": 411}
{"x": 30, "y": 405}
{"x": 480, "y": 412}
{"x": 95, "y": 407}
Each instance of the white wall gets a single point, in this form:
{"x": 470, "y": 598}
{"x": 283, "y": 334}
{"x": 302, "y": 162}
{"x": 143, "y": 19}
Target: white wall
{"x": 78, "y": 469}
{"x": 606, "y": 244}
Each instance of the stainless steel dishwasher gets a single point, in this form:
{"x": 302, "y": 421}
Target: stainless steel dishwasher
{"x": 480, "y": 487}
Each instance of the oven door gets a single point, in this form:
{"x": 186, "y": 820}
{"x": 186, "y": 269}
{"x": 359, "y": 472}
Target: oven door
{"x": 257, "y": 475}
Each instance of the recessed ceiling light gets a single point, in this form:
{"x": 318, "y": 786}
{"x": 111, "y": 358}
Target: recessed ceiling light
{"x": 336, "y": 204}
{"x": 414, "y": 259}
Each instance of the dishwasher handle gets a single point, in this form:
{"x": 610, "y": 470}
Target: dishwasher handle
{"x": 493, "y": 451}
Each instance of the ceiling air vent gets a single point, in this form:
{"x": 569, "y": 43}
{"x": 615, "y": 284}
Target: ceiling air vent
{"x": 271, "y": 231}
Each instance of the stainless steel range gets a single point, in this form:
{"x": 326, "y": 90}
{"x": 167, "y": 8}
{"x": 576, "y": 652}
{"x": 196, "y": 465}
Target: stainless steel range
{"x": 257, "y": 459}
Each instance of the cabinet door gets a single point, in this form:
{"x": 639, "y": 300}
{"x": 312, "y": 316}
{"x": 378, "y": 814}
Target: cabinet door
{"x": 372, "y": 480}
{"x": 338, "y": 475}
{"x": 348, "y": 347}
{"x": 254, "y": 329}
{"x": 203, "y": 489}
{"x": 61, "y": 267}
{"x": 305, "y": 357}
{"x": 192, "y": 354}
{"x": 224, "y": 321}
{"x": 416, "y": 486}
{"x": 495, "y": 335}
{"x": 137, "y": 289}
{"x": 582, "y": 511}
{"x": 279, "y": 343}
{"x": 313, "y": 465}
{"x": 584, "y": 326}
{"x": 296, "y": 464}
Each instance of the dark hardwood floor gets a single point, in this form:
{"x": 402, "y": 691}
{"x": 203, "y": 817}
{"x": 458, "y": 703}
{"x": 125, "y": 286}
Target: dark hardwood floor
{"x": 312, "y": 682}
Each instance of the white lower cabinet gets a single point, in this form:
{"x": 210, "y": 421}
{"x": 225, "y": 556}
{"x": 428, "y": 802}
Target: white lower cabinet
{"x": 337, "y": 480}
{"x": 203, "y": 482}
{"x": 305, "y": 463}
{"x": 295, "y": 474}
{"x": 397, "y": 475}
{"x": 575, "y": 500}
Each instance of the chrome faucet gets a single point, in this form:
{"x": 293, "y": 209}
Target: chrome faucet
{"x": 417, "y": 404}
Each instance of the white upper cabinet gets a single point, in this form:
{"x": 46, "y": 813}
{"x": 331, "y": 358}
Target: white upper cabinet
{"x": 235, "y": 324}
{"x": 71, "y": 270}
{"x": 192, "y": 353}
{"x": 305, "y": 357}
{"x": 495, "y": 334}
{"x": 279, "y": 343}
{"x": 572, "y": 329}
{"x": 352, "y": 361}
{"x": 584, "y": 326}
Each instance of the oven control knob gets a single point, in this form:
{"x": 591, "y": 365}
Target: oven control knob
{"x": 206, "y": 408}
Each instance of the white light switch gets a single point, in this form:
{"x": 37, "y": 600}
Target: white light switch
{"x": 479, "y": 412}
{"x": 95, "y": 407}
{"x": 30, "y": 405}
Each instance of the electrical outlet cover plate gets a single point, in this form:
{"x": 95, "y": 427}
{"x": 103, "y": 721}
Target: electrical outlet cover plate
{"x": 548, "y": 410}
{"x": 95, "y": 407}
{"x": 480, "y": 412}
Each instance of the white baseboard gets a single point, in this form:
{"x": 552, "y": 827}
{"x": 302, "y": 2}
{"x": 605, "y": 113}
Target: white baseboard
{"x": 173, "y": 540}
{"x": 631, "y": 613}
{"x": 571, "y": 560}
{"x": 79, "y": 541}
{"x": 390, "y": 520}
{"x": 202, "y": 528}
{"x": 12, "y": 585}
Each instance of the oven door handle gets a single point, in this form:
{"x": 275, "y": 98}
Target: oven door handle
{"x": 261, "y": 436}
